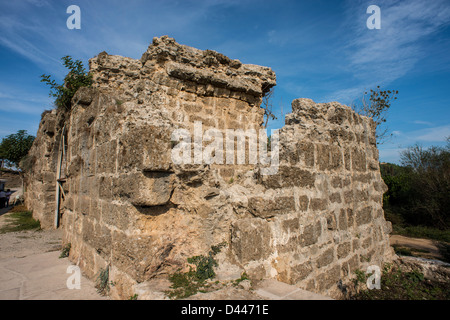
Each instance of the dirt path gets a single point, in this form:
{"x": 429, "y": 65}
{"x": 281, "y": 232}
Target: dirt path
{"x": 424, "y": 248}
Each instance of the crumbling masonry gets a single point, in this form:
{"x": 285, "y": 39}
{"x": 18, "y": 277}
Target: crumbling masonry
{"x": 125, "y": 205}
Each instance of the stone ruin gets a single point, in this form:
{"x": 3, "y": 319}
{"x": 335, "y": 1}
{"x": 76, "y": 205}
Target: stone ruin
{"x": 105, "y": 172}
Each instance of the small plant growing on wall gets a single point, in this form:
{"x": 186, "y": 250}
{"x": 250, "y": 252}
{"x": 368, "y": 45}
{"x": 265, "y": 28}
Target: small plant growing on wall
{"x": 189, "y": 283}
{"x": 103, "y": 284}
{"x": 65, "y": 251}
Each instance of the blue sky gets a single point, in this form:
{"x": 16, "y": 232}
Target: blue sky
{"x": 319, "y": 49}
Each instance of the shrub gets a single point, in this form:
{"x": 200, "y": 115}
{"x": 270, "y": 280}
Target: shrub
{"x": 75, "y": 79}
{"x": 189, "y": 283}
{"x": 398, "y": 284}
{"x": 418, "y": 190}
{"x": 65, "y": 251}
{"x": 103, "y": 284}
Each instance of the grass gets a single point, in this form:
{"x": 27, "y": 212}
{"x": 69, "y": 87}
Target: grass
{"x": 103, "y": 285}
{"x": 243, "y": 277}
{"x": 397, "y": 284}
{"x": 412, "y": 252}
{"x": 20, "y": 219}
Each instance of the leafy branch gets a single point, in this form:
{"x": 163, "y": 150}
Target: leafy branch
{"x": 76, "y": 78}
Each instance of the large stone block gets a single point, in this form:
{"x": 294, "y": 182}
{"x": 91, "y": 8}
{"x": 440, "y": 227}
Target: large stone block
{"x": 364, "y": 216}
{"x": 301, "y": 153}
{"x": 144, "y": 148}
{"x": 250, "y": 240}
{"x": 291, "y": 225}
{"x": 311, "y": 234}
{"x": 114, "y": 215}
{"x": 97, "y": 236}
{"x": 342, "y": 220}
{"x": 358, "y": 160}
{"x": 144, "y": 189}
{"x": 325, "y": 258}
{"x": 318, "y": 204}
{"x": 141, "y": 256}
{"x": 303, "y": 202}
{"x": 328, "y": 279}
{"x": 323, "y": 157}
{"x": 301, "y": 271}
{"x": 289, "y": 177}
{"x": 343, "y": 250}
{"x": 270, "y": 207}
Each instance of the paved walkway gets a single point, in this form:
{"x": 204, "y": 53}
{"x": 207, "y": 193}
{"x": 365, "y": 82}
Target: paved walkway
{"x": 41, "y": 277}
{"x": 264, "y": 290}
{"x": 30, "y": 268}
{"x": 275, "y": 290}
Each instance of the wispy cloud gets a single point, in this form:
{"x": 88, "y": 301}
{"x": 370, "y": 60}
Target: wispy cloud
{"x": 403, "y": 139}
{"x": 393, "y": 50}
{"x": 425, "y": 123}
{"x": 433, "y": 135}
{"x": 437, "y": 134}
{"x": 391, "y": 155}
{"x": 378, "y": 57}
{"x": 19, "y": 101}
{"x": 17, "y": 108}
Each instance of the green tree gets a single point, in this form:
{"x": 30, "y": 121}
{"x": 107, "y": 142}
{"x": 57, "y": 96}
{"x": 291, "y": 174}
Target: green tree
{"x": 430, "y": 185}
{"x": 76, "y": 78}
{"x": 15, "y": 147}
{"x": 398, "y": 181}
{"x": 376, "y": 104}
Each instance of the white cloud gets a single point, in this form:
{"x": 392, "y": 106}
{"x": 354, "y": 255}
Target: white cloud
{"x": 436, "y": 134}
{"x": 391, "y": 155}
{"x": 39, "y": 3}
{"x": 378, "y": 57}
{"x": 17, "y": 108}
{"x": 425, "y": 123}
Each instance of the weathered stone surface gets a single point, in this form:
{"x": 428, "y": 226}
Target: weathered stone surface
{"x": 311, "y": 234}
{"x": 318, "y": 204}
{"x": 301, "y": 271}
{"x": 325, "y": 258}
{"x": 364, "y": 216}
{"x": 250, "y": 240}
{"x": 267, "y": 208}
{"x": 328, "y": 279}
{"x": 289, "y": 176}
{"x": 343, "y": 250}
{"x": 128, "y": 205}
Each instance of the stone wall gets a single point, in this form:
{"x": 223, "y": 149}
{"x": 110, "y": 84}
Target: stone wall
{"x": 320, "y": 217}
{"x": 127, "y": 206}
{"x": 41, "y": 167}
